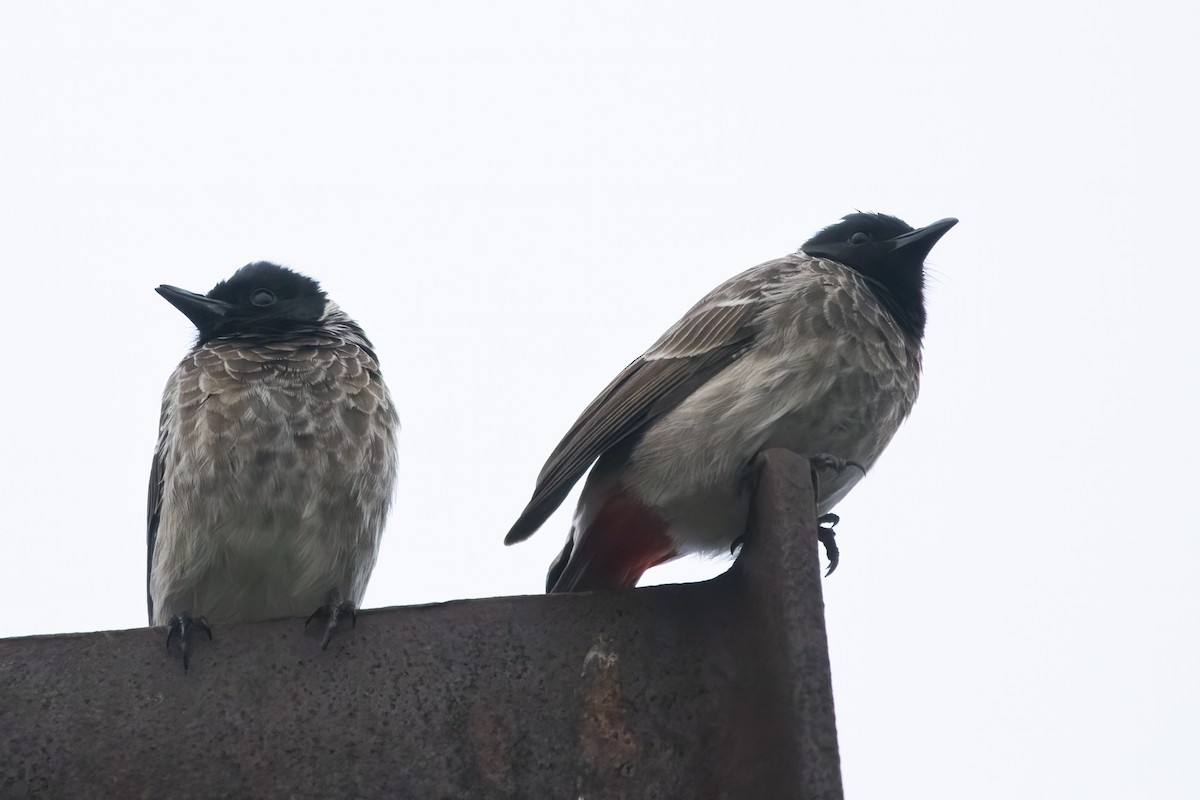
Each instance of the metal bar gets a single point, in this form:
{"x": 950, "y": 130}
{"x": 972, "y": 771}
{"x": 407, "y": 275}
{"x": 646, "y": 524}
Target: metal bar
{"x": 711, "y": 690}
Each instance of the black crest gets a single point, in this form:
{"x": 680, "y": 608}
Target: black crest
{"x": 285, "y": 283}
{"x": 259, "y": 299}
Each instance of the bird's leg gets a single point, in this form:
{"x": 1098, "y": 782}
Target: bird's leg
{"x": 824, "y": 461}
{"x": 183, "y": 627}
{"x": 825, "y": 534}
{"x": 334, "y": 610}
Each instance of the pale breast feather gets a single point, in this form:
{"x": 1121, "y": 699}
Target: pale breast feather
{"x": 294, "y": 377}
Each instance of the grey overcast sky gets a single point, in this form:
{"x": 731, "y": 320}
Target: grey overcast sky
{"x": 515, "y": 199}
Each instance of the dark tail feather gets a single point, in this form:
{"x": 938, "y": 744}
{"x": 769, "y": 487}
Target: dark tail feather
{"x": 560, "y": 564}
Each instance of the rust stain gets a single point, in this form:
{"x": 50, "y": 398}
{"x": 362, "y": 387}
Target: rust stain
{"x": 491, "y": 735}
{"x": 606, "y": 744}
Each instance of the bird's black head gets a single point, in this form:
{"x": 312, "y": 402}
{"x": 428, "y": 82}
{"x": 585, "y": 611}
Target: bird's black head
{"x": 890, "y": 255}
{"x": 260, "y": 298}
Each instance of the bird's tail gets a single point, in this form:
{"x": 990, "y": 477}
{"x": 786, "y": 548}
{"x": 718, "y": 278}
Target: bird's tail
{"x": 611, "y": 547}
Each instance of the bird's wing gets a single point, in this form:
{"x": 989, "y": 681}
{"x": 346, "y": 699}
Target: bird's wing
{"x": 154, "y": 504}
{"x": 707, "y": 339}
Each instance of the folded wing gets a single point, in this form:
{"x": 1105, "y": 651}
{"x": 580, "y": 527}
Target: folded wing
{"x": 707, "y": 339}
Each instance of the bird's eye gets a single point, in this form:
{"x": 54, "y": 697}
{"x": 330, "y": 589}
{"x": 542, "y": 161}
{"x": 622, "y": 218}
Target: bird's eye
{"x": 262, "y": 297}
{"x": 859, "y": 238}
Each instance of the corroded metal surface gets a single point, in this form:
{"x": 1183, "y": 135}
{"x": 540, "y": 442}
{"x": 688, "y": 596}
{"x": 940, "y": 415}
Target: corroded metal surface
{"x": 712, "y": 690}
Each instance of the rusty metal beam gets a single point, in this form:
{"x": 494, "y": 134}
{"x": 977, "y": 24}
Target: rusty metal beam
{"x": 712, "y": 690}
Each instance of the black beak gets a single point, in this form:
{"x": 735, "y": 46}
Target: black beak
{"x": 922, "y": 240}
{"x": 201, "y": 310}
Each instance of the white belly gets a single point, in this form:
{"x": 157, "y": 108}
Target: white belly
{"x": 268, "y": 517}
{"x": 694, "y": 464}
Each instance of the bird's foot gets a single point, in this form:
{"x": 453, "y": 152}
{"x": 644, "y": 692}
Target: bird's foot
{"x": 333, "y": 612}
{"x": 825, "y": 534}
{"x": 183, "y": 627}
{"x": 821, "y": 461}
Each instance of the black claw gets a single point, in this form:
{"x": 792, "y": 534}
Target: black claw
{"x": 822, "y": 461}
{"x": 334, "y": 612}
{"x": 825, "y": 536}
{"x": 182, "y": 627}
{"x": 738, "y": 542}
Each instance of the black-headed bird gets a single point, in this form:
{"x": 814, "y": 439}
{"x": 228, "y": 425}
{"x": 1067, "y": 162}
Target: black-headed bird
{"x": 276, "y": 460}
{"x": 818, "y": 352}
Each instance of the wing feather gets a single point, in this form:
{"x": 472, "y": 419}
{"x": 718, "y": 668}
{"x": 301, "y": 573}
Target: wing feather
{"x": 154, "y": 504}
{"x": 707, "y": 339}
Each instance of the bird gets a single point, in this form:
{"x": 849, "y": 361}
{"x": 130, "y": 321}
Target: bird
{"x": 818, "y": 352}
{"x": 275, "y": 464}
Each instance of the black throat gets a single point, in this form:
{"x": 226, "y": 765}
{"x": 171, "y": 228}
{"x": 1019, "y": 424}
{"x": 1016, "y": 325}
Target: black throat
{"x": 889, "y": 255}
{"x": 904, "y": 299}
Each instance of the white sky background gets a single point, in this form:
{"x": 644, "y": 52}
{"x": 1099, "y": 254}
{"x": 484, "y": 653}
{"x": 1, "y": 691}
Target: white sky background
{"x": 516, "y": 200}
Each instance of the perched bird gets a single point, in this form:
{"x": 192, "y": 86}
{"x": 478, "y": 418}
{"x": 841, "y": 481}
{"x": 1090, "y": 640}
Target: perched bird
{"x": 276, "y": 460}
{"x": 818, "y": 352}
